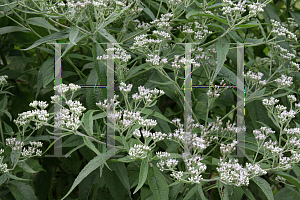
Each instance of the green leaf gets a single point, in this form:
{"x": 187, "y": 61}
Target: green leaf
{"x": 158, "y": 184}
{"x": 24, "y": 166}
{"x": 147, "y": 10}
{"x": 175, "y": 191}
{"x": 142, "y": 175}
{"x": 90, "y": 145}
{"x": 21, "y": 191}
{"x": 99, "y": 116}
{"x": 55, "y": 36}
{"x": 265, "y": 187}
{"x": 201, "y": 192}
{"x": 85, "y": 187}
{"x": 296, "y": 17}
{"x": 39, "y": 21}
{"x": 197, "y": 13}
{"x": 109, "y": 37}
{"x": 73, "y": 34}
{"x": 121, "y": 172}
{"x": 88, "y": 121}
{"x": 161, "y": 83}
{"x": 248, "y": 193}
{"x": 10, "y": 29}
{"x": 291, "y": 179}
{"x": 3, "y": 178}
{"x": 222, "y": 48}
{"x": 90, "y": 167}
{"x": 15, "y": 177}
{"x": 191, "y": 193}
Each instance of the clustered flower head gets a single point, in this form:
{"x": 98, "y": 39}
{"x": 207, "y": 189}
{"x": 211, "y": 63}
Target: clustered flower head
{"x": 162, "y": 35}
{"x": 147, "y": 95}
{"x": 40, "y": 117}
{"x": 119, "y": 55}
{"x": 3, "y": 166}
{"x": 195, "y": 168}
{"x": 295, "y": 66}
{"x": 262, "y": 133}
{"x": 256, "y": 78}
{"x": 105, "y": 105}
{"x": 279, "y": 30}
{"x": 284, "y": 53}
{"x": 255, "y": 8}
{"x": 138, "y": 151}
{"x": 270, "y": 102}
{"x": 142, "y": 42}
{"x": 33, "y": 150}
{"x": 232, "y": 9}
{"x": 141, "y": 25}
{"x": 272, "y": 147}
{"x": 228, "y": 148}
{"x": 233, "y": 173}
{"x": 156, "y": 61}
{"x": 216, "y": 90}
{"x": 200, "y": 31}
{"x": 3, "y": 80}
{"x": 164, "y": 21}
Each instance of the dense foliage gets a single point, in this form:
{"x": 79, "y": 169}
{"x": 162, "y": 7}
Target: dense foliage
{"x": 155, "y": 156}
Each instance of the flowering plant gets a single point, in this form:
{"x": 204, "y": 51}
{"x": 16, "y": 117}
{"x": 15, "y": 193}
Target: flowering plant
{"x": 163, "y": 134}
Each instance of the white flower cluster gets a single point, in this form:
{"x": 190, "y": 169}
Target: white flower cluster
{"x": 231, "y": 8}
{"x": 279, "y": 30}
{"x": 75, "y": 107}
{"x": 284, "y": 162}
{"x": 162, "y": 35}
{"x": 146, "y": 94}
{"x": 156, "y": 61}
{"x": 142, "y": 42}
{"x": 255, "y": 170}
{"x": 292, "y": 98}
{"x": 40, "y": 117}
{"x": 177, "y": 175}
{"x": 200, "y": 30}
{"x": 13, "y": 144}
{"x": 119, "y": 55}
{"x": 103, "y": 106}
{"x": 3, "y": 81}
{"x": 139, "y": 151}
{"x": 295, "y": 66}
{"x": 294, "y": 142}
{"x": 228, "y": 148}
{"x": 195, "y": 167}
{"x": 295, "y": 158}
{"x": 256, "y": 78}
{"x": 63, "y": 88}
{"x": 124, "y": 88}
{"x": 3, "y": 167}
{"x": 177, "y": 64}
{"x": 262, "y": 133}
{"x": 270, "y": 102}
{"x": 292, "y": 131}
{"x": 272, "y": 147}
{"x": 233, "y": 173}
{"x": 142, "y": 25}
{"x": 42, "y": 104}
{"x": 31, "y": 151}
{"x": 255, "y": 8}
{"x": 163, "y": 22}
{"x": 64, "y": 118}
{"x": 215, "y": 92}
{"x": 170, "y": 163}
{"x": 284, "y": 53}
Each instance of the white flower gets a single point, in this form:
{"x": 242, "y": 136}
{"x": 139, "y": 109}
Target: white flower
{"x": 284, "y": 81}
{"x": 233, "y": 173}
{"x": 255, "y": 8}
{"x": 138, "y": 151}
{"x": 255, "y": 169}
{"x": 163, "y": 155}
{"x": 62, "y": 88}
{"x": 177, "y": 175}
{"x": 3, "y": 81}
{"x": 73, "y": 87}
{"x": 279, "y": 30}
{"x": 124, "y": 88}
{"x": 292, "y": 98}
{"x": 270, "y": 102}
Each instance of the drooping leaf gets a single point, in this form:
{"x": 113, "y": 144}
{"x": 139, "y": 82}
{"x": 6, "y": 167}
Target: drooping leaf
{"x": 42, "y": 22}
{"x": 142, "y": 175}
{"x": 265, "y": 187}
{"x": 10, "y": 29}
{"x": 158, "y": 184}
{"x": 21, "y": 190}
{"x": 89, "y": 168}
